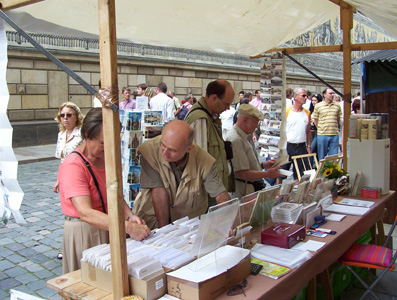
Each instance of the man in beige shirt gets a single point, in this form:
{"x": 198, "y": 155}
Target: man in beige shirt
{"x": 248, "y": 170}
{"x": 176, "y": 176}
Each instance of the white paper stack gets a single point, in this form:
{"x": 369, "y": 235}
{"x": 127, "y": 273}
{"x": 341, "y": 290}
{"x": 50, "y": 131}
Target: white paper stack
{"x": 286, "y": 212}
{"x": 286, "y": 257}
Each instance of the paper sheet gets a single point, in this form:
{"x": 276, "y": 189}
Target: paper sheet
{"x": 309, "y": 245}
{"x": 226, "y": 256}
{"x": 335, "y": 217}
{"x": 286, "y": 257}
{"x": 349, "y": 210}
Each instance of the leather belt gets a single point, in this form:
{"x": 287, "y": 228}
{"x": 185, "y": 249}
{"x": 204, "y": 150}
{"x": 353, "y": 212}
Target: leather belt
{"x": 245, "y": 181}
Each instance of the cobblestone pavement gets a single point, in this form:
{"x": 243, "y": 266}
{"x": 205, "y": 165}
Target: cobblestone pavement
{"x": 28, "y": 252}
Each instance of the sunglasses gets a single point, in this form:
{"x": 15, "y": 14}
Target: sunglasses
{"x": 238, "y": 289}
{"x": 66, "y": 115}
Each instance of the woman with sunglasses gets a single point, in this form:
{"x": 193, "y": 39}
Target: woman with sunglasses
{"x": 69, "y": 120}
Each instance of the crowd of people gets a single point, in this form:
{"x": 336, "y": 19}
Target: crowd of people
{"x": 205, "y": 155}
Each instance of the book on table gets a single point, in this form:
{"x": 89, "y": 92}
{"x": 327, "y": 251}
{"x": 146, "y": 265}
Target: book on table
{"x": 271, "y": 270}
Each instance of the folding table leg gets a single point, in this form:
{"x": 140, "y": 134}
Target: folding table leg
{"x": 311, "y": 289}
{"x": 326, "y": 283}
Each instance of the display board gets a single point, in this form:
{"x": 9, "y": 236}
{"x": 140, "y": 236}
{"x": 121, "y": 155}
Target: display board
{"x": 137, "y": 126}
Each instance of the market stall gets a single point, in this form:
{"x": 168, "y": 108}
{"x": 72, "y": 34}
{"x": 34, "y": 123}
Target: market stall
{"x": 245, "y": 20}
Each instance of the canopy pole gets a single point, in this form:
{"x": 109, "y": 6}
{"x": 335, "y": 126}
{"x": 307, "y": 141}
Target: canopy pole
{"x": 346, "y": 16}
{"x": 111, "y": 132}
{"x": 312, "y": 73}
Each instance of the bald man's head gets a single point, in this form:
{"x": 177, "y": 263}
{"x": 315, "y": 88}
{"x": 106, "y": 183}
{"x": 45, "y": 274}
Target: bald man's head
{"x": 176, "y": 140}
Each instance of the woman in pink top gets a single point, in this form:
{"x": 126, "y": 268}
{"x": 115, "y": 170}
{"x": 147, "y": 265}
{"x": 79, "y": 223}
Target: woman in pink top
{"x": 84, "y": 206}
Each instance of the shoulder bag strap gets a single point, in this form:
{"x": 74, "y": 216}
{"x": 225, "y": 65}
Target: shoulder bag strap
{"x": 94, "y": 178}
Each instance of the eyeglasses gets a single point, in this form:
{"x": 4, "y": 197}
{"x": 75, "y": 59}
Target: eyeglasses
{"x": 238, "y": 289}
{"x": 66, "y": 115}
{"x": 102, "y": 144}
{"x": 304, "y": 95}
{"x": 226, "y": 104}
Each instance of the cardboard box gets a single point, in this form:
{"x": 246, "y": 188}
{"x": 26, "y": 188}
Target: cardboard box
{"x": 372, "y": 158}
{"x": 211, "y": 288}
{"x": 370, "y": 192}
{"x": 149, "y": 288}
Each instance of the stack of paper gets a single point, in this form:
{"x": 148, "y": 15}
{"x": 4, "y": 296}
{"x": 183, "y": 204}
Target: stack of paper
{"x": 286, "y": 212}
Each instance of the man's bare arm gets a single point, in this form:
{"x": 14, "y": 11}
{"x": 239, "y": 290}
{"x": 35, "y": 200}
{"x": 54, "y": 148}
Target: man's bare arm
{"x": 161, "y": 206}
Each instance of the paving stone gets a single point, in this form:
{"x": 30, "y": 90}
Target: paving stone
{"x": 13, "y": 225}
{"x": 39, "y": 258}
{"x": 25, "y": 263}
{"x": 26, "y": 278}
{"x": 36, "y": 285}
{"x": 16, "y": 259}
{"x": 27, "y": 252}
{"x": 24, "y": 289}
{"x": 15, "y": 246}
{"x": 5, "y": 241}
{"x": 51, "y": 264}
{"x": 5, "y": 230}
{"x": 32, "y": 219}
{"x": 5, "y": 265}
{"x": 41, "y": 248}
{"x": 44, "y": 232}
{"x": 46, "y": 292}
{"x": 4, "y": 295}
{"x": 13, "y": 234}
{"x": 5, "y": 252}
{"x": 31, "y": 244}
{"x": 51, "y": 254}
{"x": 8, "y": 283}
{"x": 3, "y": 276}
{"x": 38, "y": 213}
{"x": 34, "y": 267}
{"x": 16, "y": 271}
{"x": 44, "y": 274}
{"x": 37, "y": 237}
{"x": 58, "y": 271}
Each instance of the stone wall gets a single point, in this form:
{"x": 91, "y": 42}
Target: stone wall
{"x": 38, "y": 87}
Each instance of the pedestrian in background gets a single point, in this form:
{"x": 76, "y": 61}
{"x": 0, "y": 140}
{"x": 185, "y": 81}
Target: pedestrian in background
{"x": 69, "y": 120}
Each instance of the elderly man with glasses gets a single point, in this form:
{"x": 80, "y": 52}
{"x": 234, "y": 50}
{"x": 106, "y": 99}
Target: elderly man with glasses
{"x": 204, "y": 117}
{"x": 298, "y": 129}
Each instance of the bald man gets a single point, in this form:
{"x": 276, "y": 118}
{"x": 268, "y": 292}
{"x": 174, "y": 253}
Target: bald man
{"x": 204, "y": 117}
{"x": 176, "y": 176}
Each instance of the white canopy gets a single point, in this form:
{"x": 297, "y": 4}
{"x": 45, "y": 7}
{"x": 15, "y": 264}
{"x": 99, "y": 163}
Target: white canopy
{"x": 246, "y": 27}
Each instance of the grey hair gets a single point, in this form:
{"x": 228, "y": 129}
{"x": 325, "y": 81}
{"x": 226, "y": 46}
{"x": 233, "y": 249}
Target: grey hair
{"x": 297, "y": 89}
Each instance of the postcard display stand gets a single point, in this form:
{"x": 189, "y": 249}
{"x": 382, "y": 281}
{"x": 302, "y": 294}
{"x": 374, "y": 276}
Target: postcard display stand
{"x": 135, "y": 126}
{"x": 273, "y": 106}
{"x": 11, "y": 194}
{"x": 372, "y": 158}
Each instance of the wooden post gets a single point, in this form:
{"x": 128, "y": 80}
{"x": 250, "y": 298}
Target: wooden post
{"x": 10, "y": 4}
{"x": 111, "y": 132}
{"x": 346, "y": 16}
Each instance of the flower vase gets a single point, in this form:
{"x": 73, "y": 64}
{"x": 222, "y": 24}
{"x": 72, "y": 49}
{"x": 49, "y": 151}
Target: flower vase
{"x": 334, "y": 190}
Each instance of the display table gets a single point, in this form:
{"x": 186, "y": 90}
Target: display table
{"x": 261, "y": 287}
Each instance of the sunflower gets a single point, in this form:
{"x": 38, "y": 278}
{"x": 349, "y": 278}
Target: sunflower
{"x": 338, "y": 168}
{"x": 328, "y": 172}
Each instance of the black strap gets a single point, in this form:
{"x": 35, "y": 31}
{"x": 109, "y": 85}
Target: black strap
{"x": 93, "y": 177}
{"x": 209, "y": 114}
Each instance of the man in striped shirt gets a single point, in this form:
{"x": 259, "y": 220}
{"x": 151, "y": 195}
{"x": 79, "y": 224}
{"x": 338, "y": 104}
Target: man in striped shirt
{"x": 326, "y": 117}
